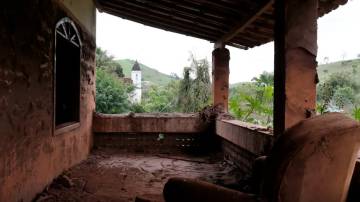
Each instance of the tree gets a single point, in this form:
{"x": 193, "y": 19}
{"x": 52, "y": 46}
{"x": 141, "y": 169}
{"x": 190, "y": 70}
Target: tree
{"x": 253, "y": 102}
{"x": 161, "y": 98}
{"x": 119, "y": 70}
{"x": 354, "y": 68}
{"x": 264, "y": 79}
{"x": 103, "y": 60}
{"x": 201, "y": 84}
{"x": 255, "y": 107}
{"x": 185, "y": 92}
{"x": 343, "y": 96}
{"x": 195, "y": 94}
{"x": 107, "y": 62}
{"x": 338, "y": 88}
{"x": 112, "y": 96}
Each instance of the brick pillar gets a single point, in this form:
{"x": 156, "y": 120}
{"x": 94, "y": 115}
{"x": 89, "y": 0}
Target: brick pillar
{"x": 295, "y": 62}
{"x": 220, "y": 75}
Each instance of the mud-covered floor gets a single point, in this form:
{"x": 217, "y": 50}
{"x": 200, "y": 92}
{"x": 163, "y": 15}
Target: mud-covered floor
{"x": 109, "y": 175}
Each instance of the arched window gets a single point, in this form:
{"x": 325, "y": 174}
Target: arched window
{"x": 67, "y": 74}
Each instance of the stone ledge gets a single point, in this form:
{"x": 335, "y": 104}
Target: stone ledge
{"x": 255, "y": 139}
{"x": 148, "y": 123}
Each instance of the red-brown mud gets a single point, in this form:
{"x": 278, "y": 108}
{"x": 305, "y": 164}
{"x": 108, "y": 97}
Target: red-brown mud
{"x": 108, "y": 175}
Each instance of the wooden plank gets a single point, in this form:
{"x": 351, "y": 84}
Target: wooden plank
{"x": 161, "y": 16}
{"x": 249, "y": 42}
{"x": 242, "y": 26}
{"x": 182, "y": 14}
{"x": 192, "y": 18}
{"x": 189, "y": 10}
{"x": 220, "y": 7}
{"x": 163, "y": 26}
{"x": 253, "y": 38}
{"x": 180, "y": 10}
{"x": 124, "y": 11}
{"x": 228, "y": 18}
{"x": 259, "y": 34}
{"x": 240, "y": 46}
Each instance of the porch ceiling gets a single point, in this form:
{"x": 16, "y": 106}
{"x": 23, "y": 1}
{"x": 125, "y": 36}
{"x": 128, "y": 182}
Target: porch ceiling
{"x": 239, "y": 23}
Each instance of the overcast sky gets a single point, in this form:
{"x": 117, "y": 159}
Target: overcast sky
{"x": 338, "y": 37}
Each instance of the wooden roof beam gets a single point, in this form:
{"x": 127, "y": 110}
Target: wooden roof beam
{"x": 142, "y": 11}
{"x": 181, "y": 13}
{"x": 238, "y": 46}
{"x": 242, "y": 26}
{"x": 160, "y": 25}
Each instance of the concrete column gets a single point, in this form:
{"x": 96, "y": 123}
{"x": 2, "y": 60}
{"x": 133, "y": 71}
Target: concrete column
{"x": 295, "y": 62}
{"x": 220, "y": 75}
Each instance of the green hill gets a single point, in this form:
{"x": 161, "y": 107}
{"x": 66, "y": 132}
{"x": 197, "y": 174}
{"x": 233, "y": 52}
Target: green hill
{"x": 325, "y": 70}
{"x": 148, "y": 74}
{"x": 349, "y": 66}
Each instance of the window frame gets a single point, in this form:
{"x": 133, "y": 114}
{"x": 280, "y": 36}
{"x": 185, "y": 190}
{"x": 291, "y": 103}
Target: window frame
{"x": 71, "y": 125}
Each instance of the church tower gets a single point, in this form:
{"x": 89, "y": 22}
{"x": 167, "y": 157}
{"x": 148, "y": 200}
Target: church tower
{"x": 136, "y": 79}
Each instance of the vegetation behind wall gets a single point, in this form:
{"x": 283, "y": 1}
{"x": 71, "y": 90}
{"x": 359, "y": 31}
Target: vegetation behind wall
{"x": 114, "y": 91}
{"x": 337, "y": 91}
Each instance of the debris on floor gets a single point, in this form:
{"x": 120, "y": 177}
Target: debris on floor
{"x": 110, "y": 176}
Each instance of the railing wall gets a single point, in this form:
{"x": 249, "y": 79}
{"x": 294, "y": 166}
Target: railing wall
{"x": 171, "y": 133}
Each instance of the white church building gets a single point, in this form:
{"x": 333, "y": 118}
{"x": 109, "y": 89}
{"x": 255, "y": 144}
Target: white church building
{"x": 136, "y": 79}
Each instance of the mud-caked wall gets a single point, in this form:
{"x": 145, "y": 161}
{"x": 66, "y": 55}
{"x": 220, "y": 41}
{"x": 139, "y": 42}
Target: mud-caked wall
{"x": 31, "y": 155}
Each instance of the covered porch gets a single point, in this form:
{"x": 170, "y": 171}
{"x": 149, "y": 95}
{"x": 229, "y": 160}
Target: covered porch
{"x": 135, "y": 163}
{"x": 132, "y": 156}
{"x": 292, "y": 25}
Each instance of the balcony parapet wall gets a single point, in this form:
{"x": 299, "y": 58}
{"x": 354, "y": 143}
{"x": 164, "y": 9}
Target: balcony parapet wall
{"x": 148, "y": 123}
{"x": 253, "y": 138}
{"x": 243, "y": 142}
{"x": 172, "y": 133}
{"x": 155, "y": 133}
